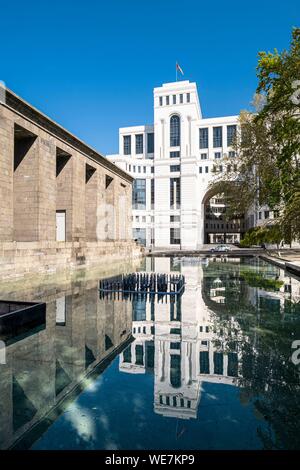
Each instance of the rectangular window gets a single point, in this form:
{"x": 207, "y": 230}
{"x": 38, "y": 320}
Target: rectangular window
{"x": 259, "y": 215}
{"x": 204, "y": 362}
{"x": 231, "y": 154}
{"x": 133, "y": 168}
{"x": 174, "y": 236}
{"x": 218, "y": 363}
{"x": 139, "y": 169}
{"x": 217, "y": 136}
{"x": 175, "y": 193}
{"x": 174, "y": 168}
{"x": 152, "y": 169}
{"x": 206, "y": 169}
{"x": 203, "y": 138}
{"x": 181, "y": 98}
{"x": 139, "y": 194}
{"x": 152, "y": 193}
{"x": 175, "y": 154}
{"x": 174, "y": 218}
{"x": 188, "y": 97}
{"x": 200, "y": 169}
{"x": 160, "y": 101}
{"x": 217, "y": 155}
{"x": 203, "y": 156}
{"x": 139, "y": 144}
{"x": 144, "y": 169}
{"x": 231, "y": 133}
{"x": 174, "y": 99}
{"x": 129, "y": 167}
{"x": 167, "y": 100}
{"x": 220, "y": 168}
{"x": 267, "y": 214}
{"x": 139, "y": 234}
{"x": 127, "y": 144}
{"x": 150, "y": 142}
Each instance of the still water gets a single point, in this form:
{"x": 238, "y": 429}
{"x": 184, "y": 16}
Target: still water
{"x": 211, "y": 370}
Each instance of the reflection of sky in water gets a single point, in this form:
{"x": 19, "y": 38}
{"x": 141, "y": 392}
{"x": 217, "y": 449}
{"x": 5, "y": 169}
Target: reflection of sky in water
{"x": 122, "y": 417}
{"x": 212, "y": 371}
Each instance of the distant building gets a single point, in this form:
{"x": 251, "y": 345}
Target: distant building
{"x": 174, "y": 161}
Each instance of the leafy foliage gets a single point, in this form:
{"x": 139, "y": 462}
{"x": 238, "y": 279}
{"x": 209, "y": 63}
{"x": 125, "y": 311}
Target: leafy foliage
{"x": 268, "y": 144}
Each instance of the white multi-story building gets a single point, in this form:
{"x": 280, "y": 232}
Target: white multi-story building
{"x": 173, "y": 163}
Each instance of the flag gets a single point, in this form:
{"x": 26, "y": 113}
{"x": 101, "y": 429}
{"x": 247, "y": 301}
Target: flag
{"x": 179, "y": 68}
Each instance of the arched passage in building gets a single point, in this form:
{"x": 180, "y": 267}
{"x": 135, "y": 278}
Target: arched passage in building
{"x": 217, "y": 227}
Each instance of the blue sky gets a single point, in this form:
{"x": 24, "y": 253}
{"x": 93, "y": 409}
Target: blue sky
{"x": 91, "y": 65}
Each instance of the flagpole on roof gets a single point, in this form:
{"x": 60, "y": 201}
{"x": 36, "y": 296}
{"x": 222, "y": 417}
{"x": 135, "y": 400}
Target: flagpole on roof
{"x": 176, "y": 71}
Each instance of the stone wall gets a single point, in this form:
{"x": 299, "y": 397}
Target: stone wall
{"x": 45, "y": 169}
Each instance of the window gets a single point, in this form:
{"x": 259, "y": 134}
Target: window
{"x": 217, "y": 155}
{"x": 206, "y": 169}
{"x": 228, "y": 168}
{"x": 220, "y": 168}
{"x": 259, "y": 215}
{"x": 139, "y": 234}
{"x": 152, "y": 193}
{"x": 139, "y": 144}
{"x": 174, "y": 131}
{"x": 174, "y": 154}
{"x": 203, "y": 156}
{"x": 203, "y": 138}
{"x": 218, "y": 363}
{"x": 160, "y": 101}
{"x": 139, "y": 354}
{"x": 167, "y": 100}
{"x": 174, "y": 218}
{"x": 143, "y": 218}
{"x": 181, "y": 98}
{"x": 139, "y": 194}
{"x": 152, "y": 169}
{"x": 231, "y": 133}
{"x": 174, "y": 99}
{"x": 174, "y": 168}
{"x": 188, "y": 97}
{"x": 150, "y": 142}
{"x": 133, "y": 168}
{"x": 204, "y": 362}
{"x": 267, "y": 214}
{"x": 174, "y": 236}
{"x": 200, "y": 169}
{"x": 217, "y": 136}
{"x": 144, "y": 169}
{"x": 231, "y": 154}
{"x": 174, "y": 193}
{"x": 129, "y": 167}
{"x": 139, "y": 169}
{"x": 127, "y": 144}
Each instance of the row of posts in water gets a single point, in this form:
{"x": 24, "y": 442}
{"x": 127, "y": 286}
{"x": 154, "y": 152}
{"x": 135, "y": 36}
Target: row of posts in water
{"x": 151, "y": 283}
{"x": 141, "y": 296}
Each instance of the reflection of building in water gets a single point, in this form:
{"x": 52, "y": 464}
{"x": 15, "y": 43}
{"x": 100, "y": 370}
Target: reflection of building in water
{"x": 177, "y": 341}
{"x": 82, "y": 335}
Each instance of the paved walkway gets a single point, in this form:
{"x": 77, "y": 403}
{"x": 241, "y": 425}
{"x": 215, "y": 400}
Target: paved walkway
{"x": 286, "y": 258}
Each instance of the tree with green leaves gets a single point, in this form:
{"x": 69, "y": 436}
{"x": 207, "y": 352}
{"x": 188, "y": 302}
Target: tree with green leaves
{"x": 268, "y": 145}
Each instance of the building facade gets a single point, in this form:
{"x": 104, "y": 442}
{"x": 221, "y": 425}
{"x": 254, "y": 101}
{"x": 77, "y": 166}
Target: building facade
{"x": 62, "y": 204}
{"x": 173, "y": 163}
